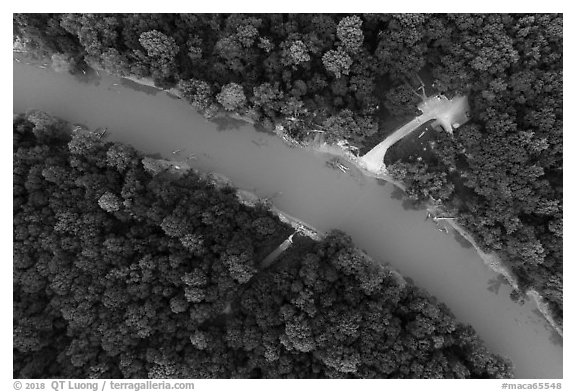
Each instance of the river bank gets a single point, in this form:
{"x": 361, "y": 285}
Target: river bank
{"x": 250, "y": 199}
{"x": 496, "y": 264}
{"x": 340, "y": 150}
{"x": 491, "y": 260}
{"x": 244, "y": 196}
{"x": 300, "y": 183}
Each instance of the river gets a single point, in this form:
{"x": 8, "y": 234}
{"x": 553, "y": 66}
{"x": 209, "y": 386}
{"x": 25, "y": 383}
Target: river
{"x": 371, "y": 211}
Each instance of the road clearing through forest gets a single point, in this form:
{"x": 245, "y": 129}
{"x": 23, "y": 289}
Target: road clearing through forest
{"x": 154, "y": 122}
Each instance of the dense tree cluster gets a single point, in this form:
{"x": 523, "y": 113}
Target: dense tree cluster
{"x": 337, "y": 314}
{"x": 320, "y": 65}
{"x": 345, "y": 74}
{"x": 505, "y": 165}
{"x": 125, "y": 270}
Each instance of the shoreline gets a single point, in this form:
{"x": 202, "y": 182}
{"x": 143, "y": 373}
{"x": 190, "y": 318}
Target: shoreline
{"x": 492, "y": 261}
{"x": 250, "y": 199}
{"x": 338, "y": 151}
{"x": 244, "y": 196}
{"x": 496, "y": 264}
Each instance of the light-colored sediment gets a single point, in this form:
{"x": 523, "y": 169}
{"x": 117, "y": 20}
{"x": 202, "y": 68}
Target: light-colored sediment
{"x": 342, "y": 152}
{"x": 448, "y": 113}
{"x": 496, "y": 264}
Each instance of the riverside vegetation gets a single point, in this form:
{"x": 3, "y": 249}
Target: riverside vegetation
{"x": 350, "y": 76}
{"x": 126, "y": 267}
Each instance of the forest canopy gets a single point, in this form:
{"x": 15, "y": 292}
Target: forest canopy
{"x": 351, "y": 76}
{"x": 122, "y": 270}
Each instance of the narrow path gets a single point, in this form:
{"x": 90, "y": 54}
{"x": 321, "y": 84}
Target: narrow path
{"x": 493, "y": 261}
{"x": 277, "y": 252}
{"x": 374, "y": 159}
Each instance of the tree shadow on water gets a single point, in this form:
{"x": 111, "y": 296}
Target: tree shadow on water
{"x": 556, "y": 339}
{"x": 139, "y": 87}
{"x": 414, "y": 205}
{"x": 226, "y": 123}
{"x": 397, "y": 193}
{"x": 381, "y": 182}
{"x": 554, "y": 336}
{"x": 461, "y": 240}
{"x": 86, "y": 76}
{"x": 80, "y": 125}
{"x": 263, "y": 129}
{"x": 154, "y": 155}
{"x": 407, "y": 203}
{"x": 175, "y": 97}
{"x": 495, "y": 284}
